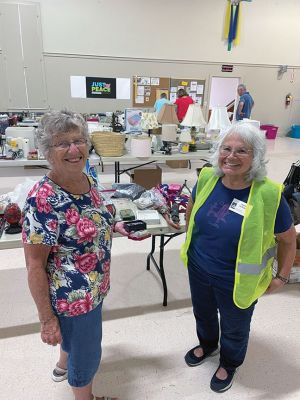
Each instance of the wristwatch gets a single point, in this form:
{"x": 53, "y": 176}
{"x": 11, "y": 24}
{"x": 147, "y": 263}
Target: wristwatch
{"x": 282, "y": 278}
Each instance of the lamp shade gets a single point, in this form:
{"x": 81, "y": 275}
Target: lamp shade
{"x": 169, "y": 132}
{"x": 218, "y": 119}
{"x": 149, "y": 121}
{"x": 140, "y": 146}
{"x": 194, "y": 116}
{"x": 167, "y": 115}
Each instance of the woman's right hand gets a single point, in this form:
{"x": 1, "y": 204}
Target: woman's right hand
{"x": 50, "y": 331}
{"x": 119, "y": 227}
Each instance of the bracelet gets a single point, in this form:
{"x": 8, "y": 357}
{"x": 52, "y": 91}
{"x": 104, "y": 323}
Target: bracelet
{"x": 282, "y": 278}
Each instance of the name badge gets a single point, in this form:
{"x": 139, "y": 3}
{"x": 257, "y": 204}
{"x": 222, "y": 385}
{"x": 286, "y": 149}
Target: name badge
{"x": 238, "y": 206}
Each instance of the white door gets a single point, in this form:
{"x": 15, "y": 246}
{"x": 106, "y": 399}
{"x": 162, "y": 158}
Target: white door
{"x": 223, "y": 92}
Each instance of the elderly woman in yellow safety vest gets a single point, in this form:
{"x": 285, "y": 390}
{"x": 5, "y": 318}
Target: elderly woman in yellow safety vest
{"x": 233, "y": 217}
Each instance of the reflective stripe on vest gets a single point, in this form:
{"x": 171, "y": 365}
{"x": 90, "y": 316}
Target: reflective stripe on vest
{"x": 255, "y": 269}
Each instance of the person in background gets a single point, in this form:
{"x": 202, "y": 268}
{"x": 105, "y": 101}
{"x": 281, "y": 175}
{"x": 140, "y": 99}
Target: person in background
{"x": 245, "y": 105}
{"x": 182, "y": 102}
{"x": 67, "y": 232}
{"x": 233, "y": 217}
{"x": 159, "y": 103}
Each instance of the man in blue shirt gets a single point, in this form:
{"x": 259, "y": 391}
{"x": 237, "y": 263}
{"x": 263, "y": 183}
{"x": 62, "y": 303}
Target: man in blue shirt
{"x": 245, "y": 104}
{"x": 159, "y": 103}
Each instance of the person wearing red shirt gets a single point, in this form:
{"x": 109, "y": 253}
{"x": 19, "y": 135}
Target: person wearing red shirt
{"x": 182, "y": 102}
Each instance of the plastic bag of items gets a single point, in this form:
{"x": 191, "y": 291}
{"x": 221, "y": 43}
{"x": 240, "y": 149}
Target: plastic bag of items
{"x": 130, "y": 191}
{"x": 19, "y": 194}
{"x": 152, "y": 199}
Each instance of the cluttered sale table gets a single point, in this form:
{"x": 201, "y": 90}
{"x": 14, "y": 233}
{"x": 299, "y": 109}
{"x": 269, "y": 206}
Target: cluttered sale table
{"x": 136, "y": 162}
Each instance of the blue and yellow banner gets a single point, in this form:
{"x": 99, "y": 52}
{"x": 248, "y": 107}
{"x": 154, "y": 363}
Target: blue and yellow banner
{"x": 233, "y": 22}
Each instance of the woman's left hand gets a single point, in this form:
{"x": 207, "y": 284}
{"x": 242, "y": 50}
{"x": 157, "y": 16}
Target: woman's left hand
{"x": 119, "y": 227}
{"x": 170, "y": 222}
{"x": 274, "y": 285}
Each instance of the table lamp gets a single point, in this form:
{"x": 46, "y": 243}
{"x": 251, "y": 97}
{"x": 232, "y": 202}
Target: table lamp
{"x": 185, "y": 139}
{"x": 149, "y": 122}
{"x": 219, "y": 121}
{"x": 168, "y": 119}
{"x": 194, "y": 118}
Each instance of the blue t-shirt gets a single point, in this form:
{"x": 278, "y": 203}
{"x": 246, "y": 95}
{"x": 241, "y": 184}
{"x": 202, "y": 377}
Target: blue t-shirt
{"x": 247, "y": 107}
{"x": 217, "y": 231}
{"x": 159, "y": 103}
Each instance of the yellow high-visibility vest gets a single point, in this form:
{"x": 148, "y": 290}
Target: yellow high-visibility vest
{"x": 256, "y": 248}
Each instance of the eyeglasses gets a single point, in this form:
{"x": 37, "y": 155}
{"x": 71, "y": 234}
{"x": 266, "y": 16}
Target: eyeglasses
{"x": 239, "y": 152}
{"x": 67, "y": 145}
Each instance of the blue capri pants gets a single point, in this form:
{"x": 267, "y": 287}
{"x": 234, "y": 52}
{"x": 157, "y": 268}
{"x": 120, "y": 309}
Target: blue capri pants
{"x": 82, "y": 337}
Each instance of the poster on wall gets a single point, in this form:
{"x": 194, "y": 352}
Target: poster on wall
{"x": 101, "y": 87}
{"x": 123, "y": 88}
{"x": 78, "y": 89}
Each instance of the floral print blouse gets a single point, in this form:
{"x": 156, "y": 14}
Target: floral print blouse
{"x": 79, "y": 230}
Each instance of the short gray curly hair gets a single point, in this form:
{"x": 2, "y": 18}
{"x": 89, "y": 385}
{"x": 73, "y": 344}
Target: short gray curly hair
{"x": 55, "y": 122}
{"x": 255, "y": 139}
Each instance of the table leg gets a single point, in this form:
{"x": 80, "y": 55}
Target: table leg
{"x": 159, "y": 267}
{"x": 117, "y": 172}
{"x": 150, "y": 255}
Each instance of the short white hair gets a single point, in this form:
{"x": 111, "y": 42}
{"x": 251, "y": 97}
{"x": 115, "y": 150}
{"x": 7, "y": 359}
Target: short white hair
{"x": 56, "y": 122}
{"x": 255, "y": 139}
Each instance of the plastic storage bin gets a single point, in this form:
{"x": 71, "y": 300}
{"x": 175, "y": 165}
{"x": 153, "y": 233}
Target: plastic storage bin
{"x": 271, "y": 131}
{"x": 295, "y": 131}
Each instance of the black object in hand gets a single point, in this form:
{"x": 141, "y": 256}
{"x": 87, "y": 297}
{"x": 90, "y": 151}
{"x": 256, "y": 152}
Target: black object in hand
{"x": 134, "y": 226}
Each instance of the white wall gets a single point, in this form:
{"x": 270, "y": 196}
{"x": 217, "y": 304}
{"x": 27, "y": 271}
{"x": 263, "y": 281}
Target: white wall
{"x": 172, "y": 29}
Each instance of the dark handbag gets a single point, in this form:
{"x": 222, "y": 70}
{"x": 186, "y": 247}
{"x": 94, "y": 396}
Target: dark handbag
{"x": 293, "y": 177}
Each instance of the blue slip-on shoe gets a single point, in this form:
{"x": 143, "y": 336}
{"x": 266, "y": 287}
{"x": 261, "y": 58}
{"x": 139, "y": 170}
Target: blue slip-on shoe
{"x": 192, "y": 360}
{"x": 220, "y": 385}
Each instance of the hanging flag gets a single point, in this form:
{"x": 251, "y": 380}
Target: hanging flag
{"x": 238, "y": 28}
{"x": 227, "y": 20}
{"x": 232, "y": 25}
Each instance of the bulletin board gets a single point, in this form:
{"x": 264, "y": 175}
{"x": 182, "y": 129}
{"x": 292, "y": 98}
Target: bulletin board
{"x": 194, "y": 87}
{"x": 146, "y": 90}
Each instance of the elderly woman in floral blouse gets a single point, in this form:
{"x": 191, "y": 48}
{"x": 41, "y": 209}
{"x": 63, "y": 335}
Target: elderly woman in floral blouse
{"x": 67, "y": 233}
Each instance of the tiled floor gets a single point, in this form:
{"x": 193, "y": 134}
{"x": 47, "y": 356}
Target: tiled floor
{"x": 144, "y": 343}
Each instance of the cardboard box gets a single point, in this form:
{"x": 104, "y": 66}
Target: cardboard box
{"x": 148, "y": 176}
{"x": 177, "y": 163}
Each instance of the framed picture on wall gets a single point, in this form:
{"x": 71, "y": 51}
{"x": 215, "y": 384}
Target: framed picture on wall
{"x": 133, "y": 118}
